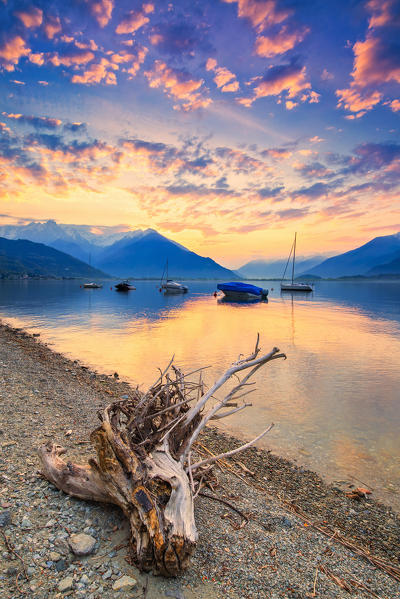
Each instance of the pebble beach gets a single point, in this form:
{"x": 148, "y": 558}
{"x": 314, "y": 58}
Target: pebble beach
{"x": 293, "y": 536}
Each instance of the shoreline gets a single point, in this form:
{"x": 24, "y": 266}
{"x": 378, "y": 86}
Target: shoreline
{"x": 63, "y": 391}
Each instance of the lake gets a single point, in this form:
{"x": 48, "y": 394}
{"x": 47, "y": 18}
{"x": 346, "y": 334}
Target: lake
{"x": 335, "y": 401}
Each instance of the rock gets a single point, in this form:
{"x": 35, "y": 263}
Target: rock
{"x": 12, "y": 571}
{"x": 31, "y": 570}
{"x": 126, "y": 583}
{"x": 54, "y": 556}
{"x": 26, "y": 523}
{"x": 286, "y": 522}
{"x": 81, "y": 544}
{"x": 50, "y": 523}
{"x": 85, "y": 580}
{"x": 107, "y": 574}
{"x": 65, "y": 584}
{"x": 61, "y": 565}
{"x": 5, "y": 518}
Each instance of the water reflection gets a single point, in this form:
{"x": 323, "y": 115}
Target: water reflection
{"x": 335, "y": 401}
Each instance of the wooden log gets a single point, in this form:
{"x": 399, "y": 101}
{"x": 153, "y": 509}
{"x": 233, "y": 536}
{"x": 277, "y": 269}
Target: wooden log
{"x": 143, "y": 448}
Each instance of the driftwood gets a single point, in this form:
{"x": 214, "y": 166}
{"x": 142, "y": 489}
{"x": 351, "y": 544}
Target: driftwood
{"x": 145, "y": 462}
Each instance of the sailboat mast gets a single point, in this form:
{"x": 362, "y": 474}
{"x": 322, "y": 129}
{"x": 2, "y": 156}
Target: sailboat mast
{"x": 294, "y": 256}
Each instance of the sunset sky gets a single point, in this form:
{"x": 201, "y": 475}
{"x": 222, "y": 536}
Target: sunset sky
{"x": 227, "y": 125}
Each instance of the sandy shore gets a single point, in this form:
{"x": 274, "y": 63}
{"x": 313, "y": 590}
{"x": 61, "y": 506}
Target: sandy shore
{"x": 303, "y": 538}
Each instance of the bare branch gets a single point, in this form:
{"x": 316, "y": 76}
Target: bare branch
{"x": 232, "y": 452}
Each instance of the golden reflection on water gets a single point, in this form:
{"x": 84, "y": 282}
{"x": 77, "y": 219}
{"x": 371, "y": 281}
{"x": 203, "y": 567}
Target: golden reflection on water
{"x": 334, "y": 401}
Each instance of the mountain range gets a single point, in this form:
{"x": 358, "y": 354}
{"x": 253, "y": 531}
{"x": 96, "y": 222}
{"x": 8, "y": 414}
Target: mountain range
{"x": 381, "y": 255}
{"x": 272, "y": 269}
{"x": 143, "y": 254}
{"x": 22, "y": 257}
{"x": 137, "y": 254}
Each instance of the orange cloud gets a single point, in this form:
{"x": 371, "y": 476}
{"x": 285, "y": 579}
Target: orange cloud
{"x": 72, "y": 58}
{"x": 100, "y": 72}
{"x": 11, "y": 51}
{"x": 230, "y": 87}
{"x": 293, "y": 81}
{"x": 355, "y": 101}
{"x": 224, "y": 79}
{"x": 135, "y": 20}
{"x": 101, "y": 10}
{"x": 279, "y": 43}
{"x": 37, "y": 58}
{"x": 261, "y": 13}
{"x": 373, "y": 63}
{"x": 381, "y": 13}
{"x": 31, "y": 18}
{"x": 52, "y": 26}
{"x": 177, "y": 84}
{"x": 395, "y": 105}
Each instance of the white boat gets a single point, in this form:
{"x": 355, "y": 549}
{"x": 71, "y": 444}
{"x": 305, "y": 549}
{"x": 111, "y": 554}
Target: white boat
{"x": 92, "y": 286}
{"x": 170, "y": 287}
{"x": 292, "y": 285}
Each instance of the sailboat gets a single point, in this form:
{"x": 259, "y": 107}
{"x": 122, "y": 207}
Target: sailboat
{"x": 168, "y": 286}
{"x": 292, "y": 286}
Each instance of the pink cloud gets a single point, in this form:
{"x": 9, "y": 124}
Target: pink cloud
{"x": 231, "y": 87}
{"x": 292, "y": 80}
{"x": 281, "y": 42}
{"x": 31, "y": 18}
{"x": 101, "y": 10}
{"x": 52, "y": 26}
{"x": 381, "y": 13}
{"x": 72, "y": 58}
{"x": 37, "y": 58}
{"x": 134, "y": 20}
{"x": 177, "y": 84}
{"x": 356, "y": 101}
{"x": 395, "y": 105}
{"x": 261, "y": 13}
{"x": 11, "y": 51}
{"x": 100, "y": 72}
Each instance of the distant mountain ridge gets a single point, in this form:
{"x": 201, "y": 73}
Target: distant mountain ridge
{"x": 360, "y": 261}
{"x": 145, "y": 256}
{"x": 140, "y": 253}
{"x": 256, "y": 269}
{"x": 23, "y": 257}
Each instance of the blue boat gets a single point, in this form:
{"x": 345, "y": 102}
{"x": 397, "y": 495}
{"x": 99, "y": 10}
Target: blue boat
{"x": 242, "y": 291}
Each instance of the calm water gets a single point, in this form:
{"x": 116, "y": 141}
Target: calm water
{"x": 335, "y": 401}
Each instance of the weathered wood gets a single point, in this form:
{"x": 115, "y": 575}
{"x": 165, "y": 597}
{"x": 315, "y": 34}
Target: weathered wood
{"x": 143, "y": 462}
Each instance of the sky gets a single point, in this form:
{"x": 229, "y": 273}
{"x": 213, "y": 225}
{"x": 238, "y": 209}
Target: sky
{"x": 226, "y": 125}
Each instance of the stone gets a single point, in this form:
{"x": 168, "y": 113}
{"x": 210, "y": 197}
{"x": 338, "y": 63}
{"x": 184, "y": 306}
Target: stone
{"x": 50, "y": 523}
{"x": 81, "y": 544}
{"x": 126, "y": 583}
{"x": 107, "y": 574}
{"x": 26, "y": 523}
{"x": 5, "y": 518}
{"x": 85, "y": 580}
{"x": 65, "y": 584}
{"x": 61, "y": 565}
{"x": 54, "y": 556}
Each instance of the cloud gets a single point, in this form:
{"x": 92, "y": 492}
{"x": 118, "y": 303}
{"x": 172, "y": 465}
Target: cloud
{"x": 395, "y": 105}
{"x": 326, "y": 75}
{"x": 98, "y": 72}
{"x": 289, "y": 78}
{"x": 269, "y": 192}
{"x": 51, "y": 26}
{"x": 70, "y": 58}
{"x": 292, "y": 213}
{"x": 315, "y": 191}
{"x": 101, "y": 10}
{"x": 39, "y": 122}
{"x": 180, "y": 39}
{"x": 178, "y": 85}
{"x": 224, "y": 79}
{"x": 134, "y": 20}
{"x": 314, "y": 170}
{"x": 283, "y": 41}
{"x": 135, "y": 60}
{"x": 11, "y": 51}
{"x": 372, "y": 157}
{"x": 31, "y": 17}
{"x": 376, "y": 61}
{"x": 261, "y": 13}
{"x": 277, "y": 153}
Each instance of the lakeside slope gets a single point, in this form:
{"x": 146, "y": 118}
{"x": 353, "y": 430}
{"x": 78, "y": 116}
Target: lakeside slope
{"x": 44, "y": 395}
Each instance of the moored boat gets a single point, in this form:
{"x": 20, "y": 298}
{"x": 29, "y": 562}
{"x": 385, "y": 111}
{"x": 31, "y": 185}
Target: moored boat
{"x": 125, "y": 286}
{"x": 237, "y": 290}
{"x": 92, "y": 286}
{"x": 293, "y": 285}
{"x": 170, "y": 287}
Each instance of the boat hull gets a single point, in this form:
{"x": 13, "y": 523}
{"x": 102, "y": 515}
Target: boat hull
{"x": 173, "y": 288}
{"x": 296, "y": 287}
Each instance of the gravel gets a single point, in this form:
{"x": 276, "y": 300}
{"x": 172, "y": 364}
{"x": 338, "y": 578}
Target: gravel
{"x": 277, "y": 554}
